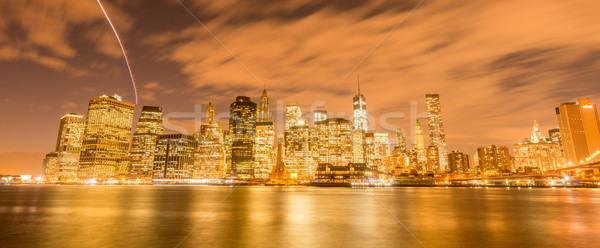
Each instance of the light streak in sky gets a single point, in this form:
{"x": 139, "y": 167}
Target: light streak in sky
{"x": 122, "y": 49}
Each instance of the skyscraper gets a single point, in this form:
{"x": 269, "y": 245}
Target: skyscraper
{"x": 105, "y": 150}
{"x": 433, "y": 158}
{"x": 376, "y": 150}
{"x": 70, "y": 138}
{"x": 174, "y": 157}
{"x": 143, "y": 146}
{"x": 293, "y": 114}
{"x": 579, "y": 126}
{"x": 554, "y": 136}
{"x": 299, "y": 162}
{"x": 264, "y": 142}
{"x": 242, "y": 128}
{"x": 437, "y": 137}
{"x": 360, "y": 111}
{"x": 420, "y": 145}
{"x": 50, "y": 167}
{"x": 340, "y": 147}
{"x": 401, "y": 140}
{"x": 359, "y": 149}
{"x": 209, "y": 160}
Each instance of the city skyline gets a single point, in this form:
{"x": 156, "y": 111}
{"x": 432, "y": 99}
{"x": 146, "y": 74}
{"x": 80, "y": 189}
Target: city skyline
{"x": 305, "y": 123}
{"x": 505, "y": 84}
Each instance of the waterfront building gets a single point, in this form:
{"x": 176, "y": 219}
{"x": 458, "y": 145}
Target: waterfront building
{"x": 494, "y": 158}
{"x": 459, "y": 162}
{"x": 352, "y": 172}
{"x": 437, "y": 137}
{"x": 68, "y": 145}
{"x": 538, "y": 152}
{"x": 50, "y": 167}
{"x": 299, "y": 163}
{"x": 264, "y": 143}
{"x": 174, "y": 156}
{"x": 433, "y": 158}
{"x": 105, "y": 149}
{"x": 579, "y": 126}
{"x": 242, "y": 128}
{"x": 143, "y": 146}
{"x": 419, "y": 149}
{"x": 358, "y": 146}
{"x": 340, "y": 146}
{"x": 209, "y": 158}
{"x": 554, "y": 136}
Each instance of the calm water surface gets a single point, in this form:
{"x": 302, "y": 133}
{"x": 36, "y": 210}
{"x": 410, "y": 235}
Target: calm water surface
{"x": 168, "y": 216}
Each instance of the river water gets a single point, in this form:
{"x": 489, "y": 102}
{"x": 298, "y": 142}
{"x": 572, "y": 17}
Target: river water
{"x": 254, "y": 216}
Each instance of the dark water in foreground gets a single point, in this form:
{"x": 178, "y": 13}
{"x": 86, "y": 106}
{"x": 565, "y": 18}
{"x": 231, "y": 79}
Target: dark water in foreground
{"x": 163, "y": 216}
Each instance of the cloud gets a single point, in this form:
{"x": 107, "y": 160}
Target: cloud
{"x": 497, "y": 65}
{"x": 41, "y": 31}
{"x": 69, "y": 105}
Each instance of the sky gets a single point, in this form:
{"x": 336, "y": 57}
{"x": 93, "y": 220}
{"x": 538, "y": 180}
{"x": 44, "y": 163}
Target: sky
{"x": 497, "y": 65}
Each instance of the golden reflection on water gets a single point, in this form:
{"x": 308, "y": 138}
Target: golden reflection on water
{"x": 162, "y": 216}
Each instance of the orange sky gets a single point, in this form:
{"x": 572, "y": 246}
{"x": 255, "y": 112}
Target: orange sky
{"x": 497, "y": 65}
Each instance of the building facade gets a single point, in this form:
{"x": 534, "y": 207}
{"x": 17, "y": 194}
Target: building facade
{"x": 264, "y": 143}
{"x": 459, "y": 162}
{"x": 437, "y": 136}
{"x": 579, "y": 126}
{"x": 68, "y": 146}
{"x": 209, "y": 159}
{"x": 174, "y": 156}
{"x": 538, "y": 152}
{"x": 494, "y": 158}
{"x": 105, "y": 149}
{"x": 143, "y": 145}
{"x": 242, "y": 128}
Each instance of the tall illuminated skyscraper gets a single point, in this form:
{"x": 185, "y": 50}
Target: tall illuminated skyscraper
{"x": 437, "y": 136}
{"x": 264, "y": 142}
{"x": 143, "y": 146}
{"x": 174, "y": 156}
{"x": 579, "y": 126}
{"x": 359, "y": 149}
{"x": 242, "y": 128}
{"x": 209, "y": 160}
{"x": 105, "y": 150}
{"x": 293, "y": 114}
{"x": 340, "y": 146}
{"x": 299, "y": 162}
{"x": 70, "y": 138}
{"x": 322, "y": 141}
{"x": 420, "y": 145}
{"x": 401, "y": 140}
{"x": 360, "y": 111}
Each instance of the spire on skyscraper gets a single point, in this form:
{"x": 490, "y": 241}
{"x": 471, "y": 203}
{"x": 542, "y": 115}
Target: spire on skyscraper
{"x": 263, "y": 107}
{"x": 358, "y": 81}
{"x": 210, "y": 113}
